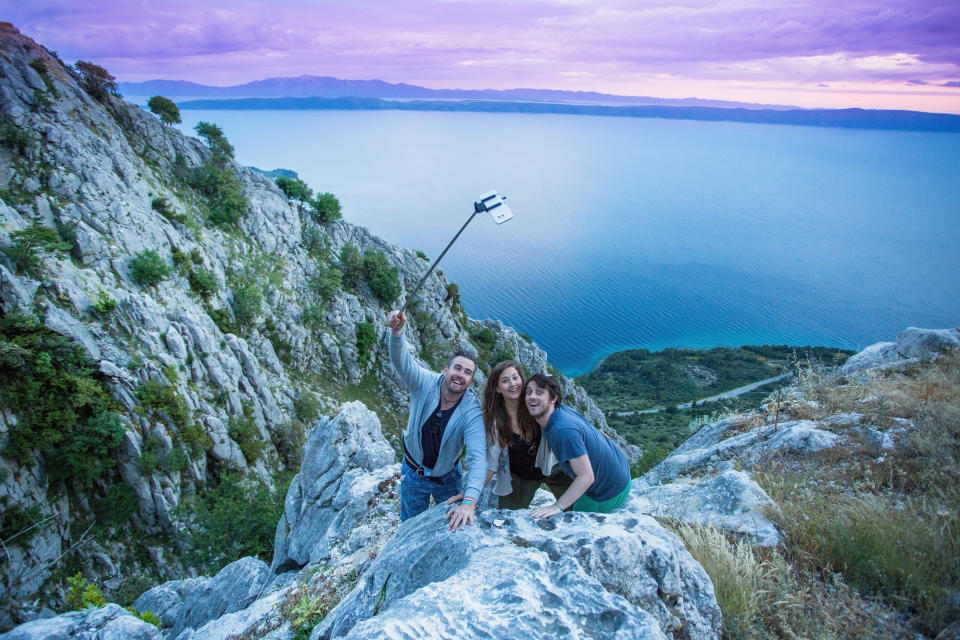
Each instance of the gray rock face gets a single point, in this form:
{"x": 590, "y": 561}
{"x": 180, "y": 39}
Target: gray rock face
{"x": 166, "y": 600}
{"x": 911, "y": 344}
{"x": 232, "y": 589}
{"x": 345, "y": 462}
{"x": 111, "y": 622}
{"x": 730, "y": 501}
{"x": 582, "y": 575}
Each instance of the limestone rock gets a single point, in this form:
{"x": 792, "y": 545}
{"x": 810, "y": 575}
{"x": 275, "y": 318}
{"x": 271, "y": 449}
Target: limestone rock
{"x": 111, "y": 622}
{"x": 166, "y": 600}
{"x": 583, "y": 575}
{"x": 730, "y": 501}
{"x": 345, "y": 460}
{"x": 232, "y": 589}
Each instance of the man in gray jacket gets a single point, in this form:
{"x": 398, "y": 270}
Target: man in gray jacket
{"x": 444, "y": 416}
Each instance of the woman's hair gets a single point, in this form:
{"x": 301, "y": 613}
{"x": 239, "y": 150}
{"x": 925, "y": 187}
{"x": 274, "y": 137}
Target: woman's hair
{"x": 496, "y": 421}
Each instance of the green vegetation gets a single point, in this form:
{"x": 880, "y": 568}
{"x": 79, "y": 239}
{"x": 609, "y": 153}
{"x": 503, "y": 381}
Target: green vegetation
{"x": 351, "y": 265}
{"x": 247, "y": 303}
{"x": 366, "y": 338}
{"x": 307, "y": 407}
{"x": 117, "y": 506}
{"x": 163, "y": 402}
{"x": 148, "y": 269}
{"x": 104, "y": 304}
{"x": 25, "y": 243}
{"x": 82, "y": 594}
{"x": 203, "y": 282}
{"x": 165, "y": 108}
{"x": 383, "y": 277}
{"x": 38, "y": 65}
{"x": 216, "y": 181}
{"x": 890, "y": 523}
{"x": 162, "y": 206}
{"x": 484, "y": 339}
{"x": 244, "y": 431}
{"x": 236, "y": 518}
{"x": 15, "y": 520}
{"x": 64, "y": 412}
{"x": 326, "y": 207}
{"x": 327, "y": 281}
{"x": 96, "y": 81}
{"x": 295, "y": 189}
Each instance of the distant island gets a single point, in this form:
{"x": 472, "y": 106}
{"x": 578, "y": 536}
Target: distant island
{"x": 307, "y": 86}
{"x": 844, "y": 118}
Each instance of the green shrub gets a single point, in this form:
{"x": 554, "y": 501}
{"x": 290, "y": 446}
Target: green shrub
{"x": 148, "y": 269}
{"x": 307, "y": 407}
{"x": 236, "y": 518}
{"x": 96, "y": 81}
{"x": 195, "y": 256}
{"x": 244, "y": 431}
{"x": 25, "y": 243}
{"x": 203, "y": 282}
{"x": 148, "y": 616}
{"x": 63, "y": 410}
{"x": 366, "y": 338}
{"x": 40, "y": 67}
{"x": 81, "y": 594}
{"x": 162, "y": 206}
{"x": 326, "y": 207}
{"x": 326, "y": 282}
{"x": 316, "y": 243}
{"x": 382, "y": 276}
{"x": 312, "y": 317}
{"x": 216, "y": 141}
{"x": 221, "y": 318}
{"x": 14, "y": 520}
{"x": 222, "y": 191}
{"x": 288, "y": 439}
{"x": 180, "y": 260}
{"x": 421, "y": 255}
{"x": 295, "y": 189}
{"x": 247, "y": 303}
{"x": 104, "y": 304}
{"x": 117, "y": 506}
{"x": 165, "y": 108}
{"x": 163, "y": 401}
{"x": 453, "y": 293}
{"x": 175, "y": 461}
{"x": 484, "y": 339}
{"x": 351, "y": 265}
{"x": 196, "y": 438}
{"x": 150, "y": 455}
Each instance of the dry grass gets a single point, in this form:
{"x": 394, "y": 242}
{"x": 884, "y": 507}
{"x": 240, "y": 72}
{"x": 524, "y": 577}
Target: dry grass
{"x": 888, "y": 522}
{"x": 764, "y": 596}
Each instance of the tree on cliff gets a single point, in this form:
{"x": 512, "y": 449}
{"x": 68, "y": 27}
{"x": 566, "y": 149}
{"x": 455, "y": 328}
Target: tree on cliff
{"x": 165, "y": 108}
{"x": 96, "y": 80}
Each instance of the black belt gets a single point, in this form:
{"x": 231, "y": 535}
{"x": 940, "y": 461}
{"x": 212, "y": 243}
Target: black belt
{"x": 417, "y": 469}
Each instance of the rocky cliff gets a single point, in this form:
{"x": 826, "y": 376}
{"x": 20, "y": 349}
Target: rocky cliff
{"x": 171, "y": 319}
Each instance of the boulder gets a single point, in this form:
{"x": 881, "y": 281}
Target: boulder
{"x": 730, "y": 501}
{"x": 923, "y": 343}
{"x": 232, "y": 589}
{"x": 166, "y": 600}
{"x": 619, "y": 575}
{"x": 346, "y": 462}
{"x": 111, "y": 622}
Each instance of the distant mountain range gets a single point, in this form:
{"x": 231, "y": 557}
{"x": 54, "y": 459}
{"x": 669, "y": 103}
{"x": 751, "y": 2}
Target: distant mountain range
{"x": 845, "y": 118}
{"x": 325, "y": 87}
{"x": 317, "y": 92}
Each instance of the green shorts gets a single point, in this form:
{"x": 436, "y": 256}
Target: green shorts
{"x": 592, "y": 506}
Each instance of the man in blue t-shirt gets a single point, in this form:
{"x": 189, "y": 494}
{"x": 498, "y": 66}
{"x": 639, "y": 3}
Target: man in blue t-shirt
{"x": 600, "y": 471}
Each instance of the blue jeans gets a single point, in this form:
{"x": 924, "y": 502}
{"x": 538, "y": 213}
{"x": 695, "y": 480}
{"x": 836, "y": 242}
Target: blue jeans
{"x": 415, "y": 491}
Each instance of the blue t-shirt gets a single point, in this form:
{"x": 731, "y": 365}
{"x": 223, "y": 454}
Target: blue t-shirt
{"x": 571, "y": 436}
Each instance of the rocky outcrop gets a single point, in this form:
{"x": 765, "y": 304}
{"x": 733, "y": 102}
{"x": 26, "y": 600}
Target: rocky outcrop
{"x": 911, "y": 345}
{"x": 604, "y": 576}
{"x": 111, "y": 622}
{"x": 346, "y": 463}
{"x": 731, "y": 501}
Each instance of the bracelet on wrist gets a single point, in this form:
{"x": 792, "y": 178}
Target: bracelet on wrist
{"x": 557, "y": 505}
{"x": 469, "y": 501}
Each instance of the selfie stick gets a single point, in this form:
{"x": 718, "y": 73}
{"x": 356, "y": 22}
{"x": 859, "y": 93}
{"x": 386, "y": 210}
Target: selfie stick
{"x": 492, "y": 202}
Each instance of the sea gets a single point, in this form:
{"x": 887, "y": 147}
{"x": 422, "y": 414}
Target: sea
{"x": 643, "y": 232}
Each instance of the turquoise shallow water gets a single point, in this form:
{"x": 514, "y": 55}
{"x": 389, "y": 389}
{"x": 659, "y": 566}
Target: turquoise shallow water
{"x": 647, "y": 233}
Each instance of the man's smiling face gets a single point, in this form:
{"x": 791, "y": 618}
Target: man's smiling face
{"x": 458, "y": 376}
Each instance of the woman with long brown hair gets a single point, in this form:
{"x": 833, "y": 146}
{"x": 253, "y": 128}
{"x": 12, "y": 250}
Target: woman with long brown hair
{"x": 516, "y": 453}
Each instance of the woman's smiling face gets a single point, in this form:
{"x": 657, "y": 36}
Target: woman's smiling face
{"x": 510, "y": 383}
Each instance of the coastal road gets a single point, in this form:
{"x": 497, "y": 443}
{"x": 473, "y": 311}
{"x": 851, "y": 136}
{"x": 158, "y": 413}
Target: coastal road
{"x": 720, "y": 396}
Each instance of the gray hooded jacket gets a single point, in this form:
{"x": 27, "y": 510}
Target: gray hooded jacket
{"x": 465, "y": 426}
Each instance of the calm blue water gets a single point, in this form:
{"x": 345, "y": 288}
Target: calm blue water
{"x": 643, "y": 232}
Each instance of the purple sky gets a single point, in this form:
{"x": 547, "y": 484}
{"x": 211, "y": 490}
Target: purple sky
{"x": 832, "y": 53}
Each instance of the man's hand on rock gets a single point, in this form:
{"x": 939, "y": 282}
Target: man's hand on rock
{"x": 396, "y": 320}
{"x": 460, "y": 516}
{"x": 546, "y": 511}
{"x": 455, "y": 499}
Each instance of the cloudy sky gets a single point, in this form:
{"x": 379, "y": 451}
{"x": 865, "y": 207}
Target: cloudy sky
{"x": 816, "y": 53}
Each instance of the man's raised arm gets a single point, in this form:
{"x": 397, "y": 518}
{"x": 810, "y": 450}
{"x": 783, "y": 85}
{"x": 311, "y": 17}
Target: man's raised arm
{"x": 413, "y": 374}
